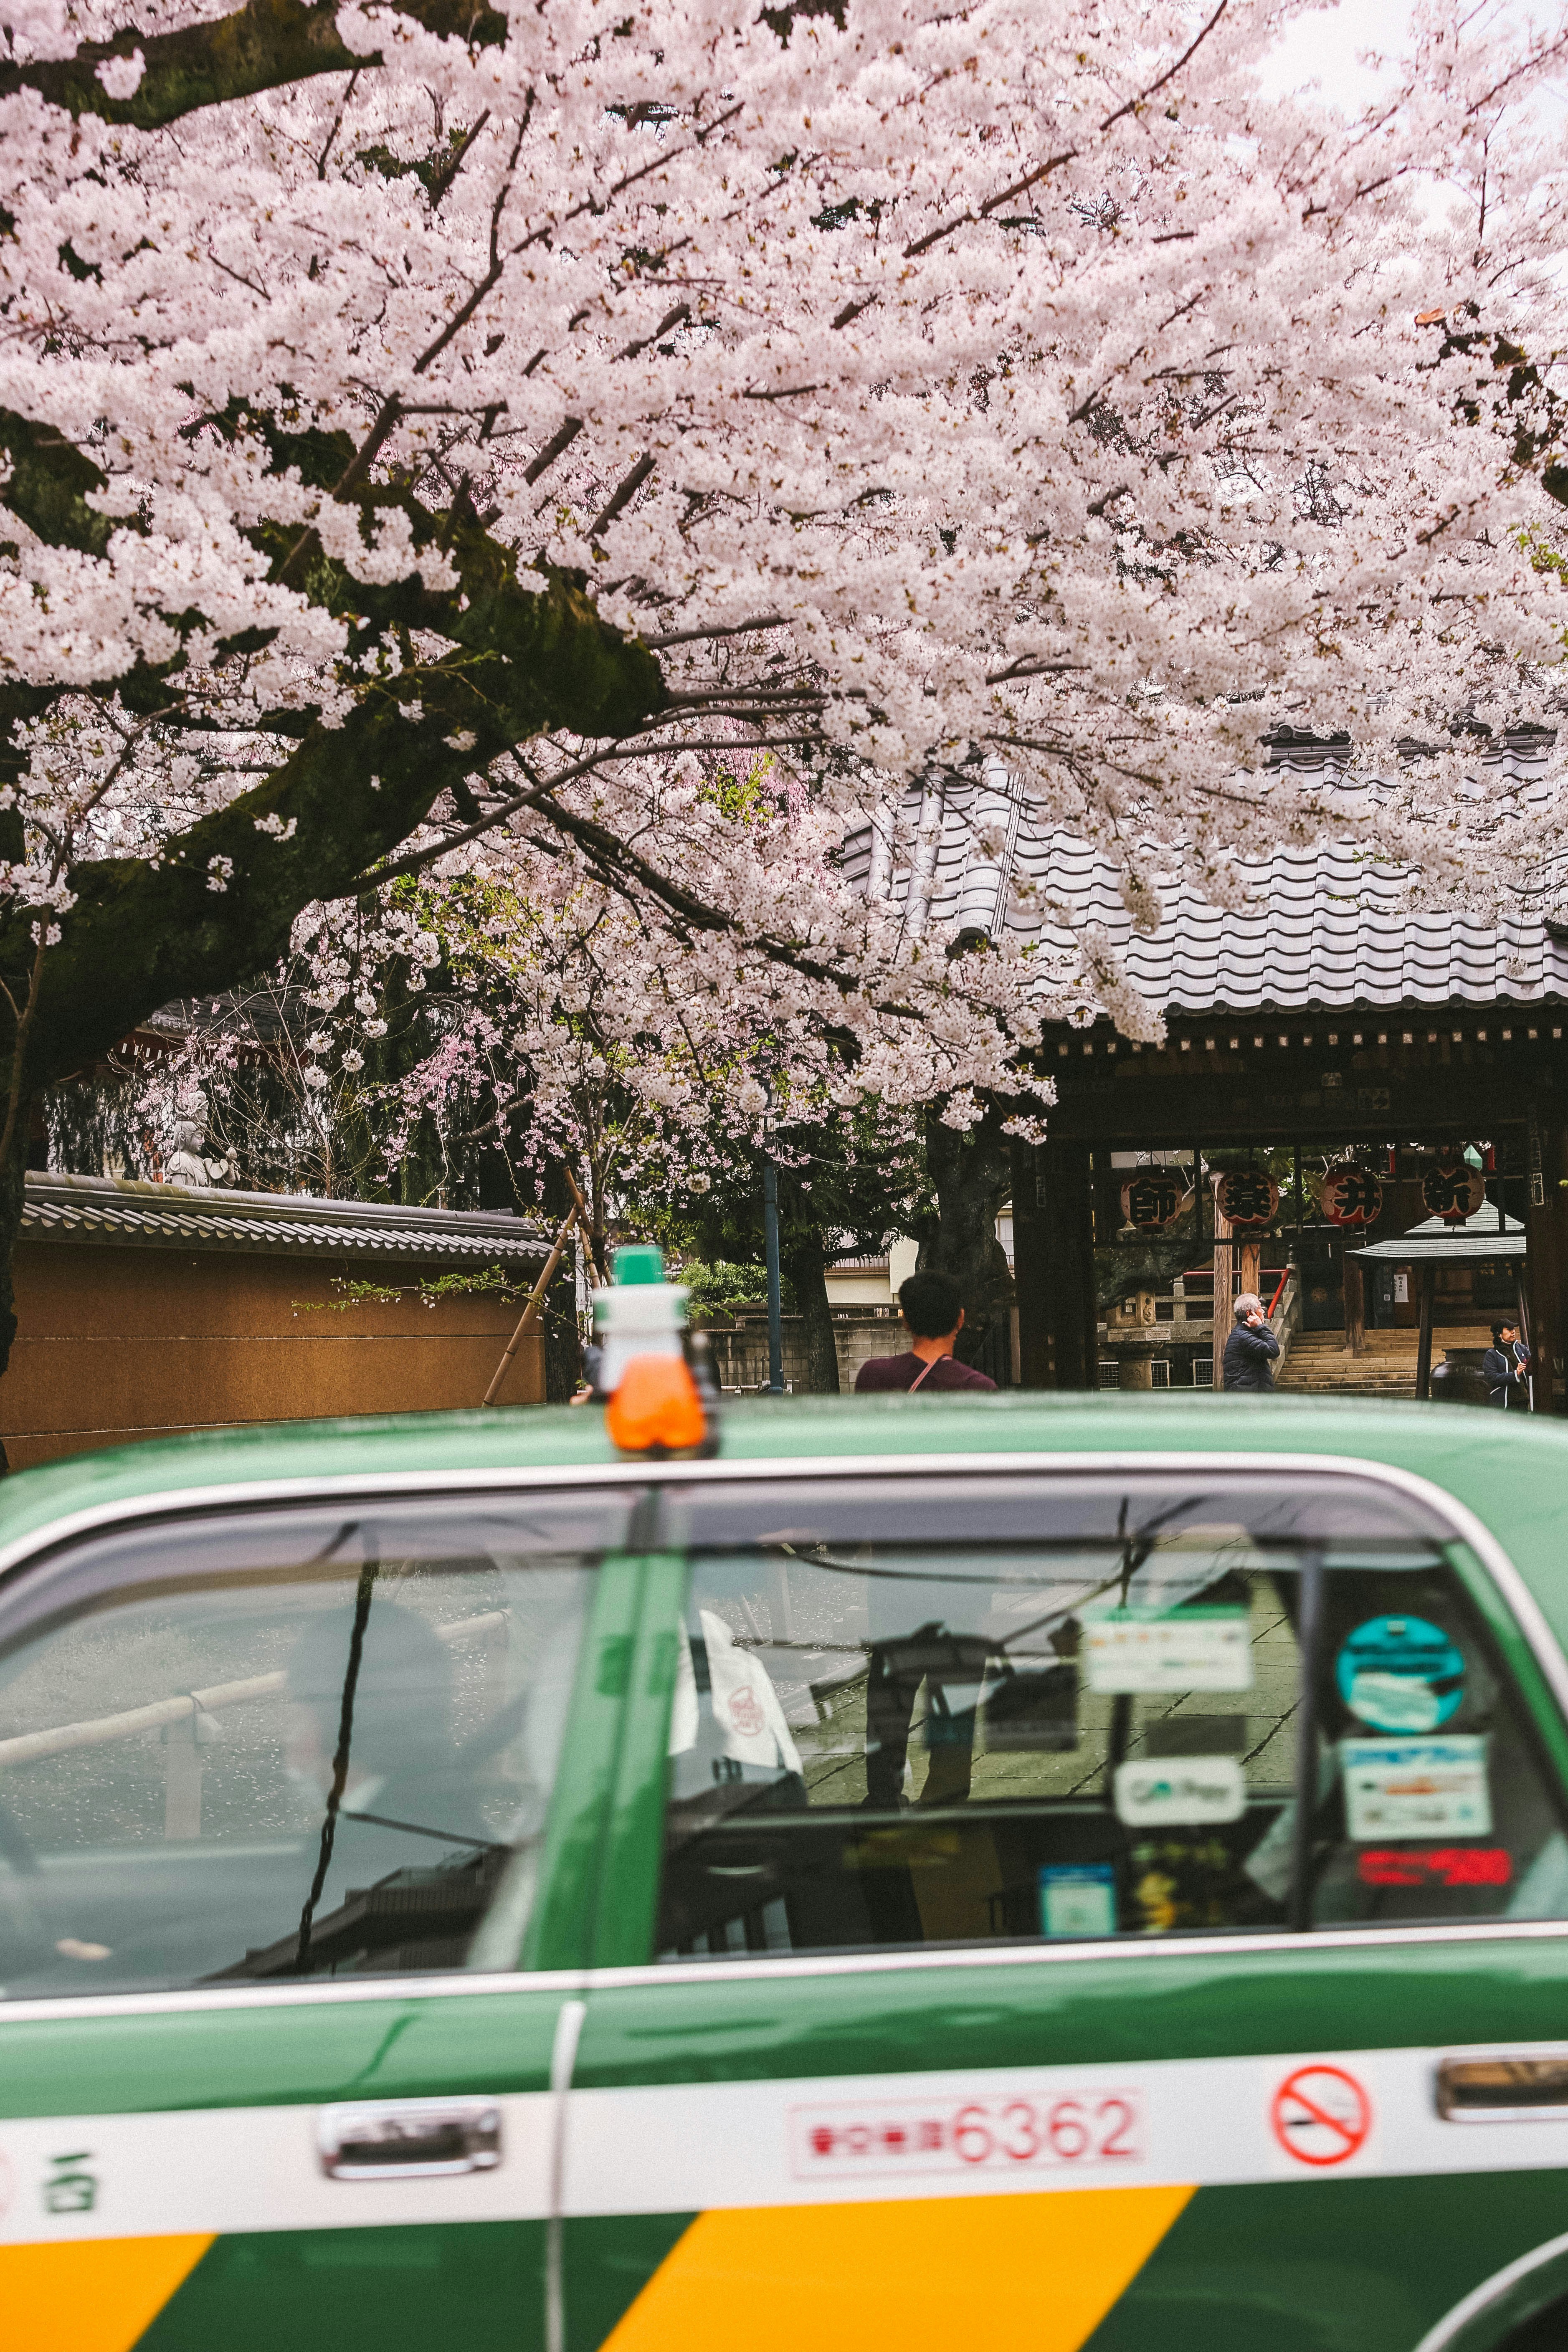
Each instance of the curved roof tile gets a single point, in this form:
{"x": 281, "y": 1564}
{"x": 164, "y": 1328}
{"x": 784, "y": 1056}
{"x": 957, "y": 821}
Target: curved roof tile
{"x": 105, "y": 1209}
{"x": 1323, "y": 931}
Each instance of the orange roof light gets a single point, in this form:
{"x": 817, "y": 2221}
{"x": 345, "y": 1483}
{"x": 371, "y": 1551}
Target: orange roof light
{"x": 656, "y": 1408}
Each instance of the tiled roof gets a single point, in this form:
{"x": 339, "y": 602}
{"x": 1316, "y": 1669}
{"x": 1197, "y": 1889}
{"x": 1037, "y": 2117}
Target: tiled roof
{"x": 284, "y": 1224}
{"x": 1474, "y": 1237}
{"x": 1325, "y": 931}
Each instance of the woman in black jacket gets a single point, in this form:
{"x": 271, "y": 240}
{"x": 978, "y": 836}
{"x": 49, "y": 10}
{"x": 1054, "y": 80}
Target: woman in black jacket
{"x": 1505, "y": 1366}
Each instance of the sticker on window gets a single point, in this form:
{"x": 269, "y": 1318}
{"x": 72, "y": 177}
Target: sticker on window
{"x": 1417, "y": 1788}
{"x": 1077, "y": 1899}
{"x": 1180, "y": 1789}
{"x": 1438, "y": 1865}
{"x": 1401, "y": 1673}
{"x": 1175, "y": 1650}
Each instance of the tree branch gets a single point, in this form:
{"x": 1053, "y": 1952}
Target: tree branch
{"x": 627, "y": 489}
{"x": 260, "y": 46}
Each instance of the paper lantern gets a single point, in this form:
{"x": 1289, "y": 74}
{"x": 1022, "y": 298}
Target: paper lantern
{"x": 1153, "y": 1198}
{"x": 1452, "y": 1189}
{"x": 1349, "y": 1195}
{"x": 1247, "y": 1197}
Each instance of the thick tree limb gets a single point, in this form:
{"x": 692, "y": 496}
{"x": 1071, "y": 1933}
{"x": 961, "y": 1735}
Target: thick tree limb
{"x": 260, "y": 46}
{"x": 49, "y": 479}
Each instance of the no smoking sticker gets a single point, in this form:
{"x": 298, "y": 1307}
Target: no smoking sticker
{"x": 1321, "y": 2115}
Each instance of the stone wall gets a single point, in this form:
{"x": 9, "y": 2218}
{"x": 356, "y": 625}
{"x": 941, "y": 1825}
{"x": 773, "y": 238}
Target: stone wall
{"x": 740, "y": 1344}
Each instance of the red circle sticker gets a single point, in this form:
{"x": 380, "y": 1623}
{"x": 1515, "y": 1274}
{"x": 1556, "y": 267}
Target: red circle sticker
{"x": 1321, "y": 2115}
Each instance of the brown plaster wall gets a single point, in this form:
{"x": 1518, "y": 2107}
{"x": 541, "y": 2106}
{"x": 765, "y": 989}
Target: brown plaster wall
{"x": 117, "y": 1343}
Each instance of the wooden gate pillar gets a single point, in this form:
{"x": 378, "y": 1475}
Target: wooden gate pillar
{"x": 1546, "y": 1255}
{"x": 1355, "y": 1305}
{"x": 1031, "y": 1280}
{"x": 1429, "y": 1278}
{"x": 1224, "y": 1287}
{"x": 1053, "y": 1269}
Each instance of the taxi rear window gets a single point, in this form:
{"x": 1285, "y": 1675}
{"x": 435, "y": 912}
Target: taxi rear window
{"x": 987, "y": 1708}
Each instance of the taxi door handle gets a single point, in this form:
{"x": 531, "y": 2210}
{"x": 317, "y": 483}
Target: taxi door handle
{"x": 1502, "y": 2090}
{"x": 409, "y": 2139}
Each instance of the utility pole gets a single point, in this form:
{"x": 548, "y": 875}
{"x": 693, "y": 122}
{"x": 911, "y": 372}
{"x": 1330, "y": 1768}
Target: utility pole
{"x": 775, "y": 1303}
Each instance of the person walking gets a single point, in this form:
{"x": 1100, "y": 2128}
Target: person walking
{"x": 933, "y": 1310}
{"x": 1250, "y": 1349}
{"x": 1505, "y": 1367}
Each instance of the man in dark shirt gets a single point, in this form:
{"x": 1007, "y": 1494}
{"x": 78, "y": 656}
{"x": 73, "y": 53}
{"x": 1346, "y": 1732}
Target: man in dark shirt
{"x": 1252, "y": 1347}
{"x": 933, "y": 1315}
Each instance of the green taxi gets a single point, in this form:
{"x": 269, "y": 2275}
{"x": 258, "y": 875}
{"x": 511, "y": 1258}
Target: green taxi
{"x": 1067, "y": 1872}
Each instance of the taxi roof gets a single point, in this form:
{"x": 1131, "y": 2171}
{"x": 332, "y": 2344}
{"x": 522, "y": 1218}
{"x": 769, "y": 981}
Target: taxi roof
{"x": 1510, "y": 1470}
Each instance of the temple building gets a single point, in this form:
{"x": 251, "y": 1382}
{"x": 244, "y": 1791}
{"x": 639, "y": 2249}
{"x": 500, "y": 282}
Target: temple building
{"x": 1337, "y": 1071}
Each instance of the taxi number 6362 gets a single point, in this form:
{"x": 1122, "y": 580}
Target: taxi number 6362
{"x": 999, "y": 2132}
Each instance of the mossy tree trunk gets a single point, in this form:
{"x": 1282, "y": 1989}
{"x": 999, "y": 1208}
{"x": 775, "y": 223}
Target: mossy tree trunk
{"x": 218, "y": 907}
{"x": 972, "y": 1177}
{"x": 805, "y": 1260}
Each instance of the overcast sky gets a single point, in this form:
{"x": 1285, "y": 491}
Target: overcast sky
{"x": 1323, "y": 47}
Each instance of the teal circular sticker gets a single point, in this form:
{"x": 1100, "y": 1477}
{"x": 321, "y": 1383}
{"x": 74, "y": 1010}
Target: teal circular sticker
{"x": 1401, "y": 1673}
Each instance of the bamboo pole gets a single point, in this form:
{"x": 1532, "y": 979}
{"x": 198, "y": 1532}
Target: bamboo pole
{"x": 529, "y": 1313}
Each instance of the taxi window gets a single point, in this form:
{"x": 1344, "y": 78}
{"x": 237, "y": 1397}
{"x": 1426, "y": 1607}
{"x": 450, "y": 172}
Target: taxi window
{"x": 285, "y": 1743}
{"x": 1429, "y": 1800}
{"x": 942, "y": 1711}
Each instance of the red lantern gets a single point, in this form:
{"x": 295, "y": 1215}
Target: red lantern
{"x": 1452, "y": 1189}
{"x": 1153, "y": 1198}
{"x": 1247, "y": 1197}
{"x": 1349, "y": 1195}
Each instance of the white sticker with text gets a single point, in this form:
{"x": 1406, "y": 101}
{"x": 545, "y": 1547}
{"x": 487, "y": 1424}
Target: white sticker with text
{"x": 1170, "y": 1650}
{"x": 1417, "y": 1788}
{"x": 1154, "y": 1791}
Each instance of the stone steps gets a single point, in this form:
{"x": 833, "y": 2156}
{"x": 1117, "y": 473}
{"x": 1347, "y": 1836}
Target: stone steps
{"x": 1320, "y": 1365}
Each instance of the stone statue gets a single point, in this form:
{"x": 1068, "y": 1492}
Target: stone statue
{"x": 186, "y": 1164}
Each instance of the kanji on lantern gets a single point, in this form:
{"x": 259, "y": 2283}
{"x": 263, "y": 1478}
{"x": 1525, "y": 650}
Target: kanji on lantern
{"x": 1453, "y": 1189}
{"x": 1350, "y": 1195}
{"x": 1247, "y": 1197}
{"x": 1153, "y": 1198}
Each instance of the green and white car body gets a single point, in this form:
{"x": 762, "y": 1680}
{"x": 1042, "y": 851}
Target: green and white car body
{"x": 810, "y": 1958}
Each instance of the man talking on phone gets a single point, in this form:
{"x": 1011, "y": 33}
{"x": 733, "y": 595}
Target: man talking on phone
{"x": 1251, "y": 1347}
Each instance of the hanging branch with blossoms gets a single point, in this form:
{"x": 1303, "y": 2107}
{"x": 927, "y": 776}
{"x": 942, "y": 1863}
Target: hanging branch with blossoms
{"x": 424, "y": 428}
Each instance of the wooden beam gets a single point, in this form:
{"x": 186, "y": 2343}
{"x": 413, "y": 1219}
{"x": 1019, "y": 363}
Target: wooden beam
{"x": 1223, "y": 1289}
{"x": 1546, "y": 1260}
{"x": 1423, "y": 1339}
{"x": 1355, "y": 1306}
{"x": 1053, "y": 1272}
{"x": 1144, "y": 1113}
{"x": 1031, "y": 1273}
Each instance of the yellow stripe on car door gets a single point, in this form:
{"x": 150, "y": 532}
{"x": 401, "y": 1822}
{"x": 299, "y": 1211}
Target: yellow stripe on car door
{"x": 98, "y": 2295}
{"x": 1036, "y": 2270}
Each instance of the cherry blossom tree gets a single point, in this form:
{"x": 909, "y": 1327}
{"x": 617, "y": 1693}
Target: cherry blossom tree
{"x": 429, "y": 426}
{"x": 545, "y": 1031}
